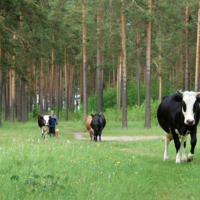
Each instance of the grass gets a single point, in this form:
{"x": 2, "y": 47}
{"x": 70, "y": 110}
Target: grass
{"x": 64, "y": 168}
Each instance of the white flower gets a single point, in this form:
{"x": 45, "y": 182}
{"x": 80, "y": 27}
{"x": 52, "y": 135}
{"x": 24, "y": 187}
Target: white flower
{"x": 136, "y": 172}
{"x": 109, "y": 176}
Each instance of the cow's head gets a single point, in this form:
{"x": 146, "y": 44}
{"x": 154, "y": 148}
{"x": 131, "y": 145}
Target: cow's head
{"x": 190, "y": 102}
{"x": 46, "y": 120}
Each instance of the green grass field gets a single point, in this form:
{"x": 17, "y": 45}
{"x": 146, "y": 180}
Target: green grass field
{"x": 64, "y": 168}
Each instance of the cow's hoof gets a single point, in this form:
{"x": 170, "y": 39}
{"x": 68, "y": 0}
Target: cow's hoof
{"x": 184, "y": 159}
{"x": 178, "y": 161}
{"x": 190, "y": 157}
{"x": 166, "y": 158}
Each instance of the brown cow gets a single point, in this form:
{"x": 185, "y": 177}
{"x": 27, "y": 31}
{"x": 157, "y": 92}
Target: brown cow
{"x": 88, "y": 127}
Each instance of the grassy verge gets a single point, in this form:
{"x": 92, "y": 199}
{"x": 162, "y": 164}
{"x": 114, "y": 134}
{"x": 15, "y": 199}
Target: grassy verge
{"x": 64, "y": 168}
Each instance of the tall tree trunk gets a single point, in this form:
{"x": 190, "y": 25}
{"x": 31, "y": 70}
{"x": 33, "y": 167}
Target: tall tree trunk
{"x": 182, "y": 68}
{"x": 187, "y": 69}
{"x": 197, "y": 55}
{"x": 99, "y": 85}
{"x": 66, "y": 84}
{"x": 124, "y": 75}
{"x": 148, "y": 72}
{"x": 12, "y": 94}
{"x": 138, "y": 64}
{"x": 159, "y": 70}
{"x": 84, "y": 63}
{"x": 113, "y": 85}
{"x": 41, "y": 81}
{"x": 51, "y": 80}
{"x": 58, "y": 92}
{"x": 0, "y": 82}
{"x": 19, "y": 100}
{"x": 119, "y": 80}
{"x": 81, "y": 82}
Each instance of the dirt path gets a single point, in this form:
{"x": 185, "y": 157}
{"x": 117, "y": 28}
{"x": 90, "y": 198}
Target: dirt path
{"x": 79, "y": 136}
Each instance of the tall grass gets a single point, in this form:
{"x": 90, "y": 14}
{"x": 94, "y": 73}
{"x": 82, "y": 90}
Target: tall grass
{"x": 64, "y": 168}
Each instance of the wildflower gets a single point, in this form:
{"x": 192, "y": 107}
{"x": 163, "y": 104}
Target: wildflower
{"x": 109, "y": 176}
{"x": 38, "y": 140}
{"x": 68, "y": 141}
{"x": 118, "y": 162}
{"x": 136, "y": 172}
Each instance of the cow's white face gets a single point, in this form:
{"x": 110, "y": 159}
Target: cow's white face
{"x": 189, "y": 99}
{"x": 46, "y": 120}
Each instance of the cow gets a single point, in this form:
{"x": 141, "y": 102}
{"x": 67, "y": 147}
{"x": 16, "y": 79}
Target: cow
{"x": 98, "y": 123}
{"x": 44, "y": 121}
{"x": 88, "y": 126}
{"x": 178, "y": 116}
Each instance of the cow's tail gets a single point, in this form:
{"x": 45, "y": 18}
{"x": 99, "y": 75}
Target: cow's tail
{"x": 85, "y": 130}
{"x": 163, "y": 139}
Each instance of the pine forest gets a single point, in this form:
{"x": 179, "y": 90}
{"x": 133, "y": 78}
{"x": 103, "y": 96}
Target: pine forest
{"x": 79, "y": 57}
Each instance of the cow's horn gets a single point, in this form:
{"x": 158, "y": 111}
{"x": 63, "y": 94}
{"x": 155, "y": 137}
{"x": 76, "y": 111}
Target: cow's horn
{"x": 180, "y": 92}
{"x": 198, "y": 93}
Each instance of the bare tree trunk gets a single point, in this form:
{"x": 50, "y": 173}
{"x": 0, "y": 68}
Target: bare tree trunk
{"x": 159, "y": 70}
{"x": 182, "y": 68}
{"x": 19, "y": 100}
{"x": 113, "y": 85}
{"x": 99, "y": 85}
{"x": 0, "y": 83}
{"x": 119, "y": 79}
{"x": 81, "y": 82}
{"x": 41, "y": 81}
{"x": 148, "y": 72}
{"x": 51, "y": 80}
{"x": 58, "y": 86}
{"x": 197, "y": 55}
{"x": 66, "y": 84}
{"x": 187, "y": 69}
{"x": 124, "y": 75}
{"x": 138, "y": 64}
{"x": 84, "y": 64}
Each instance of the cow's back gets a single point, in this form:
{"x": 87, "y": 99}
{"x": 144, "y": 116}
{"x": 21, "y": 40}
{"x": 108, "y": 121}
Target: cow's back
{"x": 167, "y": 111}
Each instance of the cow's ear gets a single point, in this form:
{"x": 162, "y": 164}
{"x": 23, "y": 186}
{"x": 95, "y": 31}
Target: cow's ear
{"x": 92, "y": 115}
{"x": 41, "y": 117}
{"x": 178, "y": 98}
{"x": 198, "y": 99}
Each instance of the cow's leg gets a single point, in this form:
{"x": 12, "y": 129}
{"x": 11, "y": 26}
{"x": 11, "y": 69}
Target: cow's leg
{"x": 193, "y": 144}
{"x": 167, "y": 141}
{"x": 100, "y": 136}
{"x": 95, "y": 137}
{"x": 177, "y": 145}
{"x": 183, "y": 145}
{"x": 42, "y": 134}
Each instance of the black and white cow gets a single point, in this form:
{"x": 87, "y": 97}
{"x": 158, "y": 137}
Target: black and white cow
{"x": 44, "y": 121}
{"x": 98, "y": 123}
{"x": 178, "y": 115}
